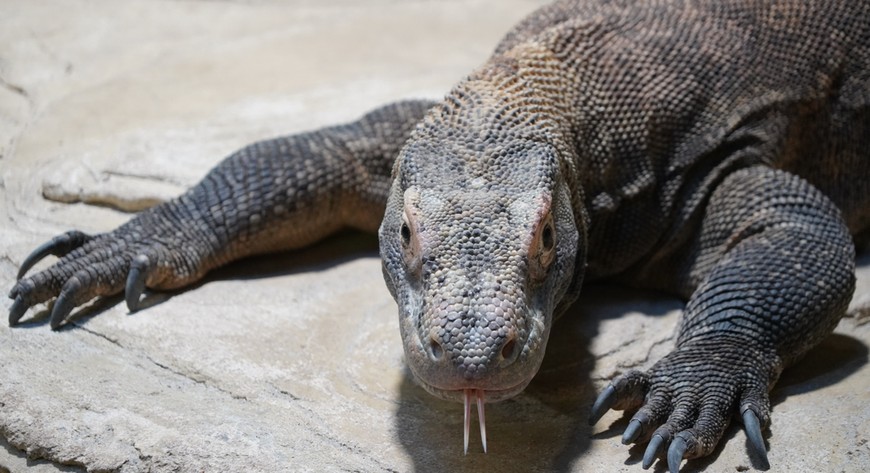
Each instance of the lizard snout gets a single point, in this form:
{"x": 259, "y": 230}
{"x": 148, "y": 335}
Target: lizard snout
{"x": 506, "y": 348}
{"x": 449, "y": 359}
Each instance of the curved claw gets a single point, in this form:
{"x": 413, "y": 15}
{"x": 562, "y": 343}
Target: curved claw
{"x": 17, "y": 310}
{"x": 65, "y": 303}
{"x": 676, "y": 453}
{"x": 57, "y": 246}
{"x": 753, "y": 433}
{"x": 632, "y": 432}
{"x": 604, "y": 402}
{"x": 40, "y": 252}
{"x": 653, "y": 449}
{"x": 136, "y": 282}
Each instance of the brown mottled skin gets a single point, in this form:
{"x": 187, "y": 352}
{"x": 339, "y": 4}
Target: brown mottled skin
{"x": 719, "y": 150}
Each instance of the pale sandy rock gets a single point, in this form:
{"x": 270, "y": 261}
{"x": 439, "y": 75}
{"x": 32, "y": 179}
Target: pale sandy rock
{"x": 294, "y": 363}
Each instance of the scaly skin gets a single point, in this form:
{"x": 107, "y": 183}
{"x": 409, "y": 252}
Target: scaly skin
{"x": 716, "y": 150}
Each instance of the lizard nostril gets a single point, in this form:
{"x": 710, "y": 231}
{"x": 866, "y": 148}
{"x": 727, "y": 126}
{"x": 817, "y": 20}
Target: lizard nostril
{"x": 509, "y": 351}
{"x": 436, "y": 351}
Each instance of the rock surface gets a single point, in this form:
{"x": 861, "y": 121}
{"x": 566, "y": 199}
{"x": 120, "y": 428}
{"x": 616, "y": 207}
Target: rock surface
{"x": 294, "y": 363}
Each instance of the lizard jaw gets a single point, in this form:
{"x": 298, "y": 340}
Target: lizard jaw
{"x": 458, "y": 394}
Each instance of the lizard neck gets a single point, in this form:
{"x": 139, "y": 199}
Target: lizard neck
{"x": 502, "y": 108}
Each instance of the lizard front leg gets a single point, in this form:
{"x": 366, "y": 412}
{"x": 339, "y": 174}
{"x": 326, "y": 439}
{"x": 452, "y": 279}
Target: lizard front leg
{"x": 272, "y": 195}
{"x": 773, "y": 272}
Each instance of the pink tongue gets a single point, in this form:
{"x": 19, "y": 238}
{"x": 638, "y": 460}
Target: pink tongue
{"x": 475, "y": 395}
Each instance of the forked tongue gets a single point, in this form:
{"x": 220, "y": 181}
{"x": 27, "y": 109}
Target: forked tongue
{"x": 470, "y": 396}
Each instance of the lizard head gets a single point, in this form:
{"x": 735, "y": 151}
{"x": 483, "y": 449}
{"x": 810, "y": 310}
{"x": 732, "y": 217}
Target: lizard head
{"x": 478, "y": 248}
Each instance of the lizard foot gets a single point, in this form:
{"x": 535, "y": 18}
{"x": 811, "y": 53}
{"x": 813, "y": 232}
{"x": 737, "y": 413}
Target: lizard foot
{"x": 96, "y": 265}
{"x": 685, "y": 401}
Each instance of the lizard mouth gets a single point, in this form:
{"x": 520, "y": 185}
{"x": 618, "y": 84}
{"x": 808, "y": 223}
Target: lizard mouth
{"x": 458, "y": 395}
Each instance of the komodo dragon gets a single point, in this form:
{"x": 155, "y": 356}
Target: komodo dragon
{"x": 718, "y": 150}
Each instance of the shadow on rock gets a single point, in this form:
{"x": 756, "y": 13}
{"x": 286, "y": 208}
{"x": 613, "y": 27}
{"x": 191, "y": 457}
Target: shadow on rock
{"x": 543, "y": 429}
{"x": 832, "y": 361}
{"x": 78, "y": 317}
{"x": 20, "y": 457}
{"x": 333, "y": 251}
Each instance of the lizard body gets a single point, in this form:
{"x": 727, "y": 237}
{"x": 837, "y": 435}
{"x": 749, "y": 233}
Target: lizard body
{"x": 715, "y": 150}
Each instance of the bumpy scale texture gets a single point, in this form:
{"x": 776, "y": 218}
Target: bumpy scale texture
{"x": 716, "y": 150}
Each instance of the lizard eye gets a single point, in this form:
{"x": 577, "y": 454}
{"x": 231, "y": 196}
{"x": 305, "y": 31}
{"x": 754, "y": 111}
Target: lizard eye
{"x": 548, "y": 239}
{"x": 406, "y": 234}
{"x": 543, "y": 248}
{"x": 410, "y": 244}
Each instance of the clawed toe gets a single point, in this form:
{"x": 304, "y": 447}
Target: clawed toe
{"x": 65, "y": 302}
{"x": 653, "y": 450}
{"x": 632, "y": 432}
{"x": 676, "y": 452}
{"x": 625, "y": 392}
{"x": 19, "y": 307}
{"x": 135, "y": 285}
{"x": 602, "y": 404}
{"x": 753, "y": 433}
{"x": 57, "y": 246}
